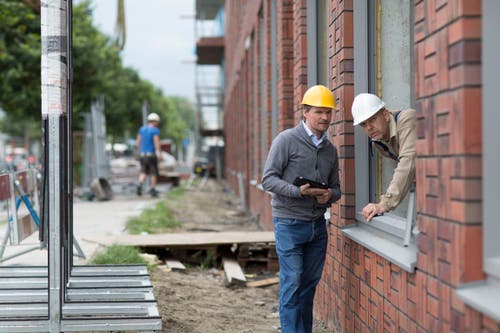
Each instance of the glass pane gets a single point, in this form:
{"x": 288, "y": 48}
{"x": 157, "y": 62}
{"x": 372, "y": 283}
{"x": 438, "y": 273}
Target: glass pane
{"x": 396, "y": 81}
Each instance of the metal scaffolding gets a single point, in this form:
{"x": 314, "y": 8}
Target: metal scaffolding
{"x": 209, "y": 80}
{"x": 62, "y": 297}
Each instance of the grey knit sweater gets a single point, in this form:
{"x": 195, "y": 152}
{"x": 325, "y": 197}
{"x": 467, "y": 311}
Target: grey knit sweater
{"x": 293, "y": 154}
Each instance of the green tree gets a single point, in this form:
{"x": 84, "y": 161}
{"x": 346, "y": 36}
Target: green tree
{"x": 95, "y": 62}
{"x": 97, "y": 70}
{"x": 181, "y": 121}
{"x": 19, "y": 66}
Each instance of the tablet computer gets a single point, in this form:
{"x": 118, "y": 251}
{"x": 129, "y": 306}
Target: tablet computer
{"x": 299, "y": 181}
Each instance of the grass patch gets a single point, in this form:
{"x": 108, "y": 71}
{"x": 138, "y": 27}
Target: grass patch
{"x": 175, "y": 193}
{"x": 118, "y": 255}
{"x": 153, "y": 220}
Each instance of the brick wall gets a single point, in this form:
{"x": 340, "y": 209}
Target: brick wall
{"x": 448, "y": 96}
{"x": 341, "y": 286}
{"x": 243, "y": 84}
{"x": 361, "y": 291}
{"x": 239, "y": 104}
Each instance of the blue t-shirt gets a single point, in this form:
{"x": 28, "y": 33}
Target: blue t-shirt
{"x": 147, "y": 134}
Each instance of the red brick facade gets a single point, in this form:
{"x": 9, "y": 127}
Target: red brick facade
{"x": 360, "y": 291}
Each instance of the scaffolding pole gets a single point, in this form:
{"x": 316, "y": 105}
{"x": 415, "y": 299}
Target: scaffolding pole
{"x": 54, "y": 35}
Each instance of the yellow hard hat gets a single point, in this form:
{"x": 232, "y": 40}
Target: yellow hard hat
{"x": 320, "y": 96}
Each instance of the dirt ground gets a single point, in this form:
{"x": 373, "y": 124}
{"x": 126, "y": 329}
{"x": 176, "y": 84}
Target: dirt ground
{"x": 198, "y": 300}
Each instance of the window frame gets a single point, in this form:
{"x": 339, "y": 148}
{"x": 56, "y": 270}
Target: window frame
{"x": 491, "y": 119}
{"x": 483, "y": 296}
{"x": 385, "y": 234}
{"x": 317, "y": 43}
{"x": 255, "y": 70}
{"x": 274, "y": 69}
{"x": 318, "y": 59}
{"x": 262, "y": 90}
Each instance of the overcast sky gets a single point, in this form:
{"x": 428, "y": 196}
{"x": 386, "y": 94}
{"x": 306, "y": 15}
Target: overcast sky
{"x": 159, "y": 43}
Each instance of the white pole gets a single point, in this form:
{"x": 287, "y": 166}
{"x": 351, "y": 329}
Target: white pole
{"x": 144, "y": 113}
{"x": 54, "y": 106}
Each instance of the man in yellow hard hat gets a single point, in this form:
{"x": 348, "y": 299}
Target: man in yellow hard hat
{"x": 301, "y": 171}
{"x": 393, "y": 134}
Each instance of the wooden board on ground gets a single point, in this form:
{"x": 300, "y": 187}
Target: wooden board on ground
{"x": 263, "y": 283}
{"x": 233, "y": 271}
{"x": 186, "y": 239}
{"x": 25, "y": 227}
{"x": 175, "y": 265}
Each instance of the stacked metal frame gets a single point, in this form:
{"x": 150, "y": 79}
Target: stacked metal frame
{"x": 62, "y": 297}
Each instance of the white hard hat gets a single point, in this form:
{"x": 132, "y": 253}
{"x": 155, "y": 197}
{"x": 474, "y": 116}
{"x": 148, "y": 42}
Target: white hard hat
{"x": 153, "y": 117}
{"x": 364, "y": 106}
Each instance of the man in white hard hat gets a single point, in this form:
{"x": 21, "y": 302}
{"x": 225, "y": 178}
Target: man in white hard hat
{"x": 393, "y": 134}
{"x": 148, "y": 146}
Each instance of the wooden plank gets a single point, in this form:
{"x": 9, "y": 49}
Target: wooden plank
{"x": 233, "y": 271}
{"x": 263, "y": 283}
{"x": 175, "y": 265}
{"x": 186, "y": 239}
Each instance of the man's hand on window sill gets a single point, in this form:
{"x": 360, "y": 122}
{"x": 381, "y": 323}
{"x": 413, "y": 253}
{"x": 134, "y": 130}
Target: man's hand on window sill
{"x": 371, "y": 210}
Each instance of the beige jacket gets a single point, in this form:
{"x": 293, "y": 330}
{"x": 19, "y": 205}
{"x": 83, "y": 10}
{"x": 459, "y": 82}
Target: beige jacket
{"x": 401, "y": 146}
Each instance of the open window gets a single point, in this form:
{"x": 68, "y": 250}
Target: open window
{"x": 383, "y": 62}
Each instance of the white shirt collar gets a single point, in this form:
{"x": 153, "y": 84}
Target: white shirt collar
{"x": 317, "y": 141}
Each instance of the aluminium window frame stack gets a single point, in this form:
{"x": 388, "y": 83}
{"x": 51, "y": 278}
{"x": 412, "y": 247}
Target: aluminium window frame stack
{"x": 62, "y": 297}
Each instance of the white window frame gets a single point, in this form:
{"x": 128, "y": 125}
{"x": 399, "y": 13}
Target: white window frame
{"x": 384, "y": 235}
{"x": 485, "y": 296}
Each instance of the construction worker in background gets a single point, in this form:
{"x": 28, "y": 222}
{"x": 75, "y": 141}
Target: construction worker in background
{"x": 393, "y": 134}
{"x": 148, "y": 147}
{"x": 298, "y": 210}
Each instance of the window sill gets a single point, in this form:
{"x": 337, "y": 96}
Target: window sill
{"x": 384, "y": 244}
{"x": 483, "y": 297}
{"x": 389, "y": 223}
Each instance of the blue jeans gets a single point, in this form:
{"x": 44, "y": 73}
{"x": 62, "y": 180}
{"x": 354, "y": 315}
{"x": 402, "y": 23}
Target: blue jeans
{"x": 301, "y": 247}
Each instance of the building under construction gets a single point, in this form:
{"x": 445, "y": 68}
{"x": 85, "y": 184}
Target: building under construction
{"x": 434, "y": 271}
{"x": 209, "y": 82}
{"x": 432, "y": 265}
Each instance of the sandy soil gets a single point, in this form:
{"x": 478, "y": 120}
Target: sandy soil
{"x": 198, "y": 300}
